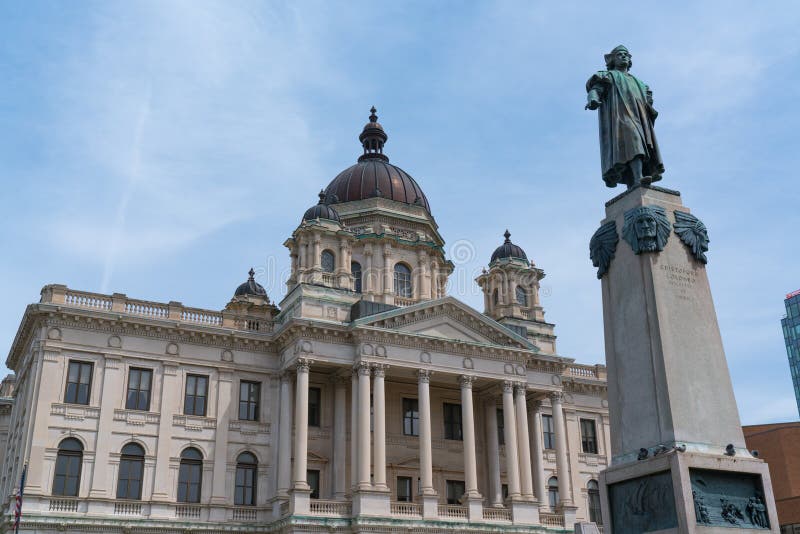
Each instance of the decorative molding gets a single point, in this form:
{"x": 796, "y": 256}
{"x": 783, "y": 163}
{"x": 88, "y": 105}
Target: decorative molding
{"x": 173, "y": 349}
{"x": 468, "y": 363}
{"x": 115, "y": 342}
{"x": 136, "y": 418}
{"x": 74, "y": 412}
{"x": 193, "y": 422}
{"x": 226, "y": 355}
{"x": 303, "y": 365}
{"x": 425, "y": 357}
{"x": 54, "y": 333}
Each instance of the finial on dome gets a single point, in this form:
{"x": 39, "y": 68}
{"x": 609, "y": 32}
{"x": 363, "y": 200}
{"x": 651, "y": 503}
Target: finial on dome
{"x": 507, "y": 235}
{"x": 321, "y": 196}
{"x": 372, "y": 138}
{"x": 252, "y": 273}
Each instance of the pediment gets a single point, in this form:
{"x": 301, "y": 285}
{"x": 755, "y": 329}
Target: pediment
{"x": 447, "y": 318}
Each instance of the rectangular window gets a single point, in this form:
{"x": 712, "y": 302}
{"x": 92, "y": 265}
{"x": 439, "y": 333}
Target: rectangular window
{"x": 452, "y": 422}
{"x": 314, "y": 406}
{"x": 404, "y": 489}
{"x": 454, "y": 491}
{"x": 139, "y": 383}
{"x": 312, "y": 476}
{"x": 194, "y": 401}
{"x": 588, "y": 436}
{"x": 501, "y": 427}
{"x": 548, "y": 434}
{"x": 249, "y": 395}
{"x": 504, "y": 491}
{"x": 79, "y": 383}
{"x": 411, "y": 417}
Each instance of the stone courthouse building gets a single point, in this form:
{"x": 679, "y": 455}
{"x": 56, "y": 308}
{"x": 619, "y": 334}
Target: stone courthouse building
{"x": 368, "y": 400}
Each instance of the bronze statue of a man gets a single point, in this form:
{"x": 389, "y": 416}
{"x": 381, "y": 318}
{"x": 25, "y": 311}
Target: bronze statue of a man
{"x": 628, "y": 149}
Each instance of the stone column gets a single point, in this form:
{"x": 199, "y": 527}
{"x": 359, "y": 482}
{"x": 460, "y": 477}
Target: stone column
{"x": 317, "y": 258}
{"x": 510, "y": 424}
{"x": 523, "y": 441}
{"x": 301, "y": 427}
{"x": 285, "y": 435}
{"x": 562, "y": 466}
{"x": 429, "y": 496}
{"x": 388, "y": 288}
{"x": 364, "y": 482}
{"x": 379, "y": 435}
{"x": 538, "y": 454}
{"x": 339, "y": 437}
{"x": 493, "y": 455}
{"x": 367, "y": 274}
{"x": 468, "y": 431}
{"x": 113, "y": 383}
{"x": 170, "y": 404}
{"x": 354, "y": 429}
{"x": 219, "y": 486}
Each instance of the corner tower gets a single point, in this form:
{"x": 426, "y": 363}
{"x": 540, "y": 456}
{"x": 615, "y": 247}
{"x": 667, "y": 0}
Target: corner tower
{"x": 372, "y": 235}
{"x": 511, "y": 294}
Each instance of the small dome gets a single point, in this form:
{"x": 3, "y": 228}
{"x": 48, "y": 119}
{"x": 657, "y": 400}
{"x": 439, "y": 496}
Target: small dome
{"x": 321, "y": 211}
{"x": 251, "y": 287}
{"x": 509, "y": 250}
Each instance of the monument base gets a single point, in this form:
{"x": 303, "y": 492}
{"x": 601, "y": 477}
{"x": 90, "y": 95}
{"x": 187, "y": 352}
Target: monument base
{"x": 688, "y": 492}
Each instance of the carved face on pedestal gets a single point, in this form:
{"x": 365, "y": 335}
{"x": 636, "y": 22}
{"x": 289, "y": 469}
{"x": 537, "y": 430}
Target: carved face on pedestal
{"x": 646, "y": 229}
{"x": 645, "y": 226}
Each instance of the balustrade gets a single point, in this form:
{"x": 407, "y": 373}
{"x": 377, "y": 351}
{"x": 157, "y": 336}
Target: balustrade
{"x": 194, "y": 315}
{"x": 497, "y": 514}
{"x": 245, "y": 514}
{"x": 335, "y": 508}
{"x": 187, "y": 511}
{"x": 452, "y": 511}
{"x": 63, "y": 505}
{"x": 551, "y": 520}
{"x": 82, "y": 299}
{"x": 127, "y": 508}
{"x": 406, "y": 509}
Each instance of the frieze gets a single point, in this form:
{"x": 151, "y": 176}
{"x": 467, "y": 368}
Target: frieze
{"x": 728, "y": 499}
{"x": 643, "y": 504}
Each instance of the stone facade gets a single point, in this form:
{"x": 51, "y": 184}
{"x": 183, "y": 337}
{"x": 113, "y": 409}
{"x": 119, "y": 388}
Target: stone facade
{"x": 367, "y": 401}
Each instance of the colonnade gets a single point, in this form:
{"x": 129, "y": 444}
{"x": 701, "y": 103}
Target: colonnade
{"x": 524, "y": 468}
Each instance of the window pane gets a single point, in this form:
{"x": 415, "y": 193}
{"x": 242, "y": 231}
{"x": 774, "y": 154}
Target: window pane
{"x": 86, "y": 373}
{"x": 314, "y": 407}
{"x": 133, "y": 379}
{"x": 72, "y": 393}
{"x": 83, "y": 394}
{"x": 146, "y": 379}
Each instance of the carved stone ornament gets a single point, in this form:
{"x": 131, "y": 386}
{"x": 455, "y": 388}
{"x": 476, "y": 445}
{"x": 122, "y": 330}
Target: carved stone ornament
{"x": 602, "y": 247}
{"x": 54, "y": 333}
{"x": 173, "y": 349}
{"x": 468, "y": 363}
{"x": 115, "y": 342}
{"x": 425, "y": 357}
{"x": 226, "y": 356}
{"x": 646, "y": 229}
{"x": 424, "y": 375}
{"x": 466, "y": 381}
{"x": 693, "y": 233}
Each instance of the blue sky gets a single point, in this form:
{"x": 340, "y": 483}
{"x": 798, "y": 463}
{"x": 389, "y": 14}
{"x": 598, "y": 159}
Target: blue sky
{"x": 161, "y": 148}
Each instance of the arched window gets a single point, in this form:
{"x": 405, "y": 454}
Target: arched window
{"x": 131, "y": 470}
{"x": 495, "y": 297}
{"x": 190, "y": 475}
{"x": 552, "y": 492}
{"x": 328, "y": 261}
{"x": 246, "y": 478}
{"x": 593, "y": 491}
{"x": 67, "y": 478}
{"x": 355, "y": 270}
{"x": 522, "y": 296}
{"x": 402, "y": 281}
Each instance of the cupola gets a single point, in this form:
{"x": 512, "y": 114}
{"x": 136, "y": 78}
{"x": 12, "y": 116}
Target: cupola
{"x": 321, "y": 211}
{"x": 508, "y": 251}
{"x": 250, "y": 287}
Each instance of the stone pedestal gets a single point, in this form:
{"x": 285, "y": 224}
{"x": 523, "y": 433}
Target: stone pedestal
{"x": 474, "y": 508}
{"x": 525, "y": 511}
{"x": 300, "y": 501}
{"x": 670, "y": 396}
{"x": 376, "y": 502}
{"x": 430, "y": 507}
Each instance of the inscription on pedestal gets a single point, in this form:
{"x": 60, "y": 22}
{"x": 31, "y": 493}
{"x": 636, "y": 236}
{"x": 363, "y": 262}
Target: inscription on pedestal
{"x": 643, "y": 504}
{"x": 723, "y": 498}
{"x": 681, "y": 279}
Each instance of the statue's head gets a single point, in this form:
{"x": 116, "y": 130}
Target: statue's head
{"x": 646, "y": 229}
{"x": 619, "y": 59}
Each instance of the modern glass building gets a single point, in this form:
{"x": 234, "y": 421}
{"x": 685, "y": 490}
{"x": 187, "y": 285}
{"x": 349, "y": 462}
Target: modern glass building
{"x": 791, "y": 333}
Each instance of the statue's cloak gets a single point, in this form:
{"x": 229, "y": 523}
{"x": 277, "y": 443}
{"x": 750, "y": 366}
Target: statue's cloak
{"x": 626, "y": 126}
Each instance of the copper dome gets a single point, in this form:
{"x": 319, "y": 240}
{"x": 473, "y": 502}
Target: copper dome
{"x": 508, "y": 250}
{"x": 373, "y": 175}
{"x": 321, "y": 211}
{"x": 250, "y": 287}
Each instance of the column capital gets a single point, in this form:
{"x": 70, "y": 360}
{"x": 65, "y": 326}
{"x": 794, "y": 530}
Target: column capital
{"x": 535, "y": 405}
{"x": 362, "y": 368}
{"x": 303, "y": 365}
{"x": 424, "y": 375}
{"x": 379, "y": 369}
{"x": 508, "y": 386}
{"x": 556, "y": 397}
{"x": 520, "y": 390}
{"x": 466, "y": 381}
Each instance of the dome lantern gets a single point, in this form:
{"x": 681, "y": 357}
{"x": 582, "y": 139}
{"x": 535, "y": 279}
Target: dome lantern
{"x": 508, "y": 251}
{"x": 373, "y": 138}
